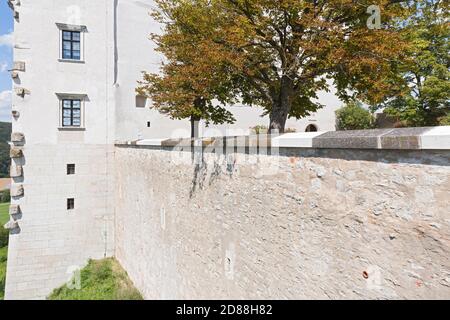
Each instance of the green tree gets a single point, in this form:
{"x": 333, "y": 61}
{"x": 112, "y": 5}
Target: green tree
{"x": 5, "y": 160}
{"x": 5, "y": 196}
{"x": 354, "y": 117}
{"x": 426, "y": 98}
{"x": 445, "y": 120}
{"x": 272, "y": 54}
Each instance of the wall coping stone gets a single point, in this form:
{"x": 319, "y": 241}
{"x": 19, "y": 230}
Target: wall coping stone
{"x": 420, "y": 138}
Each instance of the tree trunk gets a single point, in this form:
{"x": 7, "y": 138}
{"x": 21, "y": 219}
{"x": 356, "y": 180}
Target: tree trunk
{"x": 281, "y": 106}
{"x": 278, "y": 117}
{"x": 199, "y": 104}
{"x": 195, "y": 124}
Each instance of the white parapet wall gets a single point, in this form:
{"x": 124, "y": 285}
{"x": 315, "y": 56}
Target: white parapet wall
{"x": 302, "y": 221}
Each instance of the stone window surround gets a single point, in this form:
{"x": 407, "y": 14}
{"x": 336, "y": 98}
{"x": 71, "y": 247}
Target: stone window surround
{"x": 74, "y": 96}
{"x": 69, "y": 27}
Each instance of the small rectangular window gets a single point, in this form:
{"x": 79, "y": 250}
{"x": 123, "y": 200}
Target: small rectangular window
{"x": 71, "y": 113}
{"x": 71, "y": 45}
{"x": 70, "y": 169}
{"x": 141, "y": 101}
{"x": 70, "y": 204}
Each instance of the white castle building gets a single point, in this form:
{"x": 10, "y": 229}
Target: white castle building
{"x": 77, "y": 63}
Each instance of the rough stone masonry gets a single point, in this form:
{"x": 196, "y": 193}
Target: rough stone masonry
{"x": 306, "y": 223}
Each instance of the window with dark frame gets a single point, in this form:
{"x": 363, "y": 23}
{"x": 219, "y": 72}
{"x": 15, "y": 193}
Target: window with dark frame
{"x": 71, "y": 113}
{"x": 70, "y": 169}
{"x": 70, "y": 204}
{"x": 71, "y": 45}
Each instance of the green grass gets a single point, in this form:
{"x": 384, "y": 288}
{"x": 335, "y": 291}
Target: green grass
{"x": 4, "y": 213}
{"x": 4, "y": 217}
{"x": 3, "y": 257}
{"x": 100, "y": 280}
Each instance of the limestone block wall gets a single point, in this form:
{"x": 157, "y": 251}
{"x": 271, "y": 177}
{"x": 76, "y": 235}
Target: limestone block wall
{"x": 305, "y": 223}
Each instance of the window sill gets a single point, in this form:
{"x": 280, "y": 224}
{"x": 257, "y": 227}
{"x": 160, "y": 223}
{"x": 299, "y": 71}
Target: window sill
{"x": 71, "y": 129}
{"x": 71, "y": 61}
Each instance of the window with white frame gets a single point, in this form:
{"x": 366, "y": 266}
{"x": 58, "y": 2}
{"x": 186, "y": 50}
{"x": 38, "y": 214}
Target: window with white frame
{"x": 71, "y": 42}
{"x": 71, "y": 110}
{"x": 71, "y": 113}
{"x": 71, "y": 45}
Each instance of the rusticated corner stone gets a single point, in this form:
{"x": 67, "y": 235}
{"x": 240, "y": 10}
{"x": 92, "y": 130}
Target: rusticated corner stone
{"x": 19, "y": 66}
{"x": 21, "y": 91}
{"x": 11, "y": 225}
{"x": 14, "y": 209}
{"x": 16, "y": 171}
{"x": 17, "y": 190}
{"x": 16, "y": 153}
{"x": 17, "y": 137}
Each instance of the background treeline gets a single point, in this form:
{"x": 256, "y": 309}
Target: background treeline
{"x": 5, "y": 136}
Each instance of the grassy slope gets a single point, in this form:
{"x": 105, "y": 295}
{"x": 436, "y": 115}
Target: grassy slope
{"x": 4, "y": 213}
{"x": 100, "y": 280}
{"x": 5, "y": 136}
{"x": 4, "y": 217}
{"x": 3, "y": 257}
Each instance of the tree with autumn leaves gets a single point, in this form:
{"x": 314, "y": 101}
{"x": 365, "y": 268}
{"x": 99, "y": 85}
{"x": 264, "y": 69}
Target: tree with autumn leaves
{"x": 197, "y": 80}
{"x": 273, "y": 54}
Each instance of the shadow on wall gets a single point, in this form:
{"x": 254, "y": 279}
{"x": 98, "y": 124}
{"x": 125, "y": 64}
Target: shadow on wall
{"x": 423, "y": 157}
{"x": 201, "y": 173}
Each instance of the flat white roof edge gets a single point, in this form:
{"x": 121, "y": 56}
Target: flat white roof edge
{"x": 427, "y": 138}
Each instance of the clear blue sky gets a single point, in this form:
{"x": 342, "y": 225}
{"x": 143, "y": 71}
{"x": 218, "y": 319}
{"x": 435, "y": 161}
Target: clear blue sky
{"x": 6, "y": 28}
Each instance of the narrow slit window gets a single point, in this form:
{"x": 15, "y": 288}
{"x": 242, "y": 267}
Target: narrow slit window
{"x": 71, "y": 113}
{"x": 70, "y": 169}
{"x": 71, "y": 45}
{"x": 70, "y": 204}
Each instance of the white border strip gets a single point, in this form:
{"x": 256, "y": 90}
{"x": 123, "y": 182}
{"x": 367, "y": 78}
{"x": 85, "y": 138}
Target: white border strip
{"x": 150, "y": 142}
{"x": 296, "y": 140}
{"x": 435, "y": 139}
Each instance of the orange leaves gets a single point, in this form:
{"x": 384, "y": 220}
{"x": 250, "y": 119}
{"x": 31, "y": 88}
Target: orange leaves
{"x": 195, "y": 73}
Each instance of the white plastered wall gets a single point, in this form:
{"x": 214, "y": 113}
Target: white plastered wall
{"x": 52, "y": 240}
